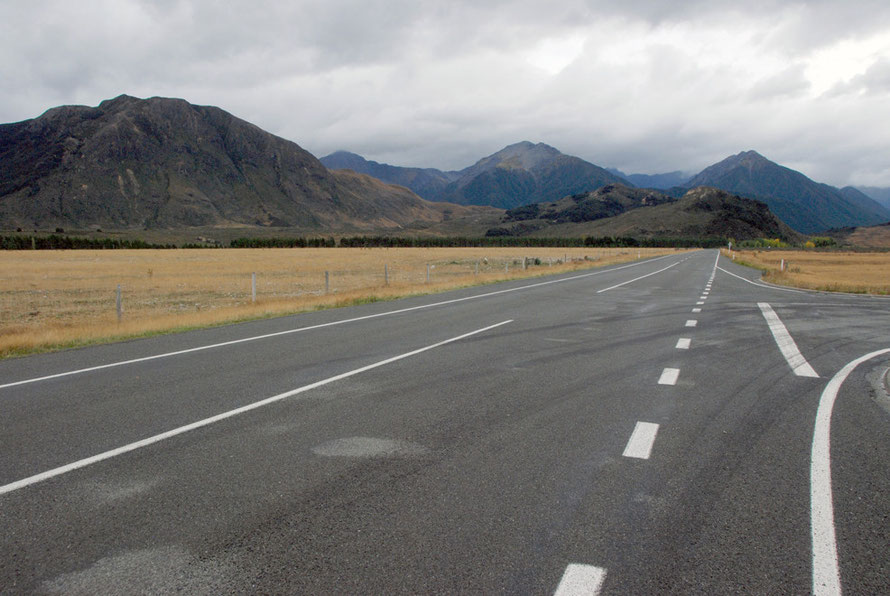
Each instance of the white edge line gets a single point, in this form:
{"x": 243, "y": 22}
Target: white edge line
{"x": 641, "y": 440}
{"x": 786, "y": 344}
{"x": 769, "y": 287}
{"x": 321, "y": 325}
{"x": 826, "y": 570}
{"x": 581, "y": 580}
{"x": 207, "y": 421}
{"x": 630, "y": 281}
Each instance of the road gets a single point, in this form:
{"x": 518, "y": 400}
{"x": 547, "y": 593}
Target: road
{"x": 638, "y": 429}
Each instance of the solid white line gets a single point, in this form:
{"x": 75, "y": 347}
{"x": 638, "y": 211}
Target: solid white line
{"x": 759, "y": 285}
{"x": 683, "y": 343}
{"x": 207, "y": 421}
{"x": 581, "y": 580}
{"x": 786, "y": 344}
{"x": 669, "y": 376}
{"x": 691, "y": 323}
{"x": 630, "y": 281}
{"x": 641, "y": 440}
{"x": 826, "y": 571}
{"x": 331, "y": 324}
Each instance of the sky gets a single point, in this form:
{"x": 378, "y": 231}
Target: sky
{"x": 646, "y": 86}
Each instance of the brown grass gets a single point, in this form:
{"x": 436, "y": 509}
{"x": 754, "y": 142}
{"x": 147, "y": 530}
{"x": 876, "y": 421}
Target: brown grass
{"x": 855, "y": 272}
{"x": 57, "y": 299}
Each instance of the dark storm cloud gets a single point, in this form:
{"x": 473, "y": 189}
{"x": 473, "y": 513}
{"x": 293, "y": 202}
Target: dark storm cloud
{"x": 642, "y": 85}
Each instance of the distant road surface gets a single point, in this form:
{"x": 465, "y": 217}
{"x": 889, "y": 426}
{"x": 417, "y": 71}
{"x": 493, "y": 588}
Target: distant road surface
{"x": 646, "y": 428}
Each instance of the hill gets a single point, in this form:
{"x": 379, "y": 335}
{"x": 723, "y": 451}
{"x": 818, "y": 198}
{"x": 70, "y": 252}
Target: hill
{"x": 525, "y": 173}
{"x": 879, "y": 194}
{"x": 518, "y": 174}
{"x": 428, "y": 183}
{"x": 658, "y": 181}
{"x": 701, "y": 213}
{"x": 164, "y": 163}
{"x": 805, "y": 205}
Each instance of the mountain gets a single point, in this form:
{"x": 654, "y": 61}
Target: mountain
{"x": 659, "y": 181}
{"x": 881, "y": 195}
{"x": 702, "y": 212}
{"x": 164, "y": 163}
{"x": 516, "y": 175}
{"x": 525, "y": 173}
{"x": 804, "y": 205}
{"x": 425, "y": 182}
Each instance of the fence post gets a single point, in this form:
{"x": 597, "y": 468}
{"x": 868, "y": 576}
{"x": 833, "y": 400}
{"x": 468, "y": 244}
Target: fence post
{"x": 385, "y": 274}
{"x": 327, "y": 282}
{"x": 782, "y": 266}
{"x": 120, "y": 310}
{"x": 253, "y": 287}
{"x": 524, "y": 261}
{"x": 427, "y": 273}
{"x": 507, "y": 267}
{"x": 477, "y": 268}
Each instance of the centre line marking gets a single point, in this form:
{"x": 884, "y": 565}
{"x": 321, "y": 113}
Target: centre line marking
{"x": 637, "y": 278}
{"x": 691, "y": 323}
{"x": 683, "y": 343}
{"x": 696, "y": 310}
{"x": 8, "y": 488}
{"x": 700, "y": 302}
{"x": 641, "y": 440}
{"x": 330, "y": 324}
{"x": 669, "y": 376}
{"x": 786, "y": 344}
{"x": 581, "y": 580}
{"x": 826, "y": 571}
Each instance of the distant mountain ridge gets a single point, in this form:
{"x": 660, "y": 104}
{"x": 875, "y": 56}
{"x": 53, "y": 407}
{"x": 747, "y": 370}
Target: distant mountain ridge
{"x": 879, "y": 194}
{"x": 165, "y": 163}
{"x": 617, "y": 210}
{"x": 658, "y": 181}
{"x": 803, "y": 204}
{"x": 516, "y": 175}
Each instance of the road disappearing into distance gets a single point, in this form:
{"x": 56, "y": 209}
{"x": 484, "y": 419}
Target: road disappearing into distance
{"x": 666, "y": 426}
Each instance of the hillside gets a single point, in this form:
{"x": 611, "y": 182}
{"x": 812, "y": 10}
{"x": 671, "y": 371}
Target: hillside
{"x": 879, "y": 194}
{"x": 525, "y": 173}
{"x": 701, "y": 212}
{"x": 805, "y": 205}
{"x": 164, "y": 163}
{"x": 428, "y": 183}
{"x": 519, "y": 174}
{"x": 657, "y": 181}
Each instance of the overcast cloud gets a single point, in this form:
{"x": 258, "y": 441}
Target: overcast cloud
{"x": 643, "y": 85}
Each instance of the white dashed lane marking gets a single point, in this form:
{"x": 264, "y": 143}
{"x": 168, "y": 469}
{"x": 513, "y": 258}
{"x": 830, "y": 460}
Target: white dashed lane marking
{"x": 639, "y": 445}
{"x": 669, "y": 376}
{"x": 683, "y": 343}
{"x": 696, "y": 310}
{"x": 691, "y": 323}
{"x": 581, "y": 580}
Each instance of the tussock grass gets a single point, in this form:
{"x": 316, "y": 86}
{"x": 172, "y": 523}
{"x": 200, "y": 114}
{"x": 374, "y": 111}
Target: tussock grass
{"x": 852, "y": 272}
{"x": 58, "y": 299}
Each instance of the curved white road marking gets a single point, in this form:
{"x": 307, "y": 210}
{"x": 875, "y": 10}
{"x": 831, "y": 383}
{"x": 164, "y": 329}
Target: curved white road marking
{"x": 330, "y": 324}
{"x": 786, "y": 344}
{"x": 8, "y": 488}
{"x": 826, "y": 571}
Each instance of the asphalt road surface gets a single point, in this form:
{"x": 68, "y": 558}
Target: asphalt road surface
{"x": 640, "y": 429}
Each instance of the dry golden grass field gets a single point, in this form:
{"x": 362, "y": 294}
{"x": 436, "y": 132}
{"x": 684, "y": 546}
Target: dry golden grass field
{"x": 856, "y": 272}
{"x": 57, "y": 299}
